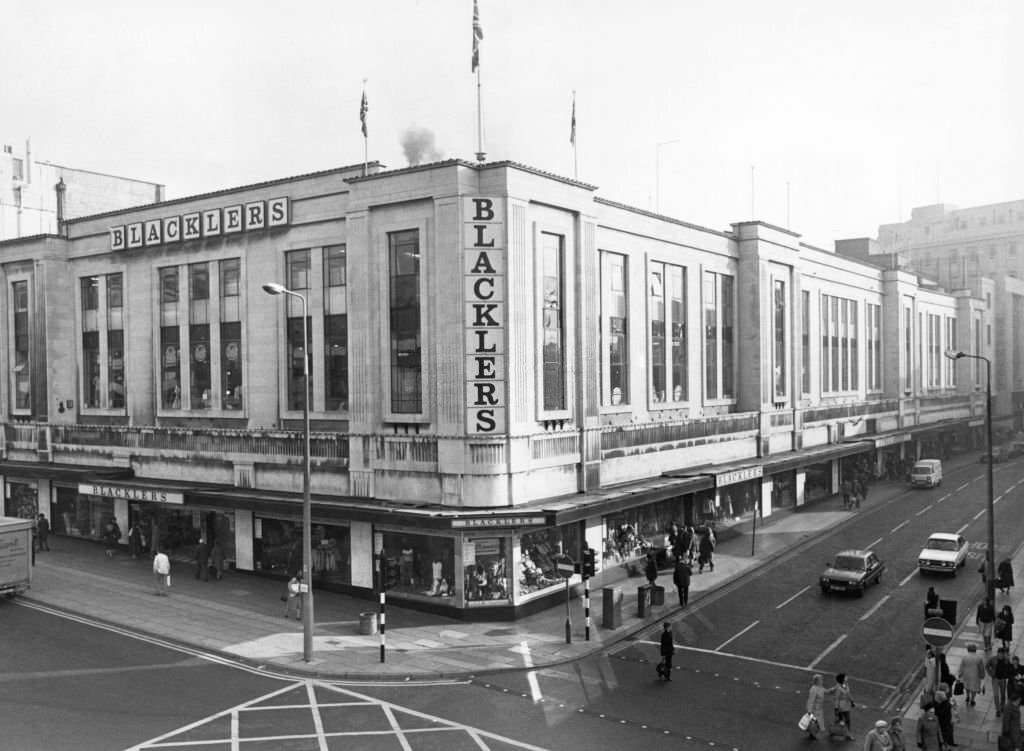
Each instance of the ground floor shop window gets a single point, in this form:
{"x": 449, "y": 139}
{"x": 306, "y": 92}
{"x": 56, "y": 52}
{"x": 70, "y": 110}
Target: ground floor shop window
{"x": 76, "y": 515}
{"x": 418, "y": 564}
{"x": 278, "y": 549}
{"x": 22, "y": 500}
{"x": 485, "y": 560}
{"x": 631, "y": 533}
{"x": 818, "y": 482}
{"x": 784, "y": 490}
{"x": 538, "y": 551}
{"x": 739, "y": 501}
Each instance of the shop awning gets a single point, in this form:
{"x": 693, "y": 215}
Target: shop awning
{"x": 816, "y": 455}
{"x": 58, "y": 472}
{"x": 611, "y": 500}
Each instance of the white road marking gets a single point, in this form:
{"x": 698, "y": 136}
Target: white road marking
{"x": 948, "y": 495}
{"x": 828, "y": 649}
{"x": 977, "y": 515}
{"x": 908, "y": 577}
{"x": 963, "y": 487}
{"x": 872, "y": 544}
{"x": 318, "y": 720}
{"x": 871, "y": 612}
{"x": 737, "y": 636}
{"x": 898, "y": 526}
{"x": 925, "y": 509}
{"x": 786, "y": 602}
{"x": 961, "y": 530}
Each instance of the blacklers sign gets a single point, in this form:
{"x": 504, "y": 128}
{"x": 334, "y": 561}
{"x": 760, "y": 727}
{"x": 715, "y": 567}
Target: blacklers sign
{"x": 241, "y": 217}
{"x": 485, "y": 308}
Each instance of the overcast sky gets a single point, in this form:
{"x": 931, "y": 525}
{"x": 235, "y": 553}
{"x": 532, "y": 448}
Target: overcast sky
{"x": 862, "y": 109}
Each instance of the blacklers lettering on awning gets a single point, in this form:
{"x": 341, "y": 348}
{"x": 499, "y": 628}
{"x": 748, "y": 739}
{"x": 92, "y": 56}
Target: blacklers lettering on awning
{"x": 132, "y": 493}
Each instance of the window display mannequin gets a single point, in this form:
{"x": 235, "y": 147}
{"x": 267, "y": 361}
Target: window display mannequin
{"x": 405, "y": 566}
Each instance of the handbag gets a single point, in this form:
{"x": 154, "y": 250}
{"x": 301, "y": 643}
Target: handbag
{"x": 168, "y": 581}
{"x": 958, "y": 688}
{"x": 805, "y": 721}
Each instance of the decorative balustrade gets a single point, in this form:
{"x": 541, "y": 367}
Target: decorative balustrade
{"x": 631, "y": 436}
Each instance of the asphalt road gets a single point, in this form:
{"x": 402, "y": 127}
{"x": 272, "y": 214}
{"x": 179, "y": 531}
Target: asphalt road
{"x": 747, "y": 653}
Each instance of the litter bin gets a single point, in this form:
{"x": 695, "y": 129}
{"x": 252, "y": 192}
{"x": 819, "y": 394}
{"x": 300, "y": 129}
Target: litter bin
{"x": 657, "y": 595}
{"x": 643, "y": 600}
{"x": 611, "y": 607}
{"x": 948, "y": 608}
{"x": 368, "y": 622}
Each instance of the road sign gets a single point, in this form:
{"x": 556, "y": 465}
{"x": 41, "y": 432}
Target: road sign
{"x": 938, "y": 632}
{"x": 565, "y": 566}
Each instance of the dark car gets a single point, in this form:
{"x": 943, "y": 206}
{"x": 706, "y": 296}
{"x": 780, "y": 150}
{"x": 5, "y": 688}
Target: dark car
{"x": 851, "y": 571}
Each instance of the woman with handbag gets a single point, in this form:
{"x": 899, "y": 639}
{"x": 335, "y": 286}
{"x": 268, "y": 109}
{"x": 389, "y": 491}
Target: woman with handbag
{"x": 815, "y": 706}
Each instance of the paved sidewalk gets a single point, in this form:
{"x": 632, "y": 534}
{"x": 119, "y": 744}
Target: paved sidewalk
{"x": 242, "y": 615}
{"x": 978, "y": 727}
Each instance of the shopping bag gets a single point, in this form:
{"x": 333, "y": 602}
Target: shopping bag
{"x": 168, "y": 581}
{"x": 805, "y": 721}
{"x": 958, "y": 688}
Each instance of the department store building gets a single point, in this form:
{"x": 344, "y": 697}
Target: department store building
{"x": 505, "y": 368}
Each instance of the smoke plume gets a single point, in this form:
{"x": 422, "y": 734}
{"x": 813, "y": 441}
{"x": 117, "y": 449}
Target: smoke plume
{"x": 418, "y": 145}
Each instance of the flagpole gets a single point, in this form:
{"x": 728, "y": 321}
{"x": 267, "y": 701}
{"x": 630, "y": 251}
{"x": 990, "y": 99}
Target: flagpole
{"x": 366, "y": 137}
{"x": 480, "y": 155}
{"x": 575, "y": 160}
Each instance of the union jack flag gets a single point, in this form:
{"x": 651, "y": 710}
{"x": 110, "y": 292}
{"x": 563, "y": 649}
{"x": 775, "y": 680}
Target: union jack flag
{"x": 478, "y": 34}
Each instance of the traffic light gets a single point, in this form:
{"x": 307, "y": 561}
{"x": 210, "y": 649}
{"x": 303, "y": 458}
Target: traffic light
{"x": 589, "y": 563}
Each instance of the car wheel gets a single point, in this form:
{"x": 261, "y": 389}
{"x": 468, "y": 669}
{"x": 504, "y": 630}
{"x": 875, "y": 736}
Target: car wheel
{"x": 954, "y": 571}
{"x": 963, "y": 563}
{"x": 860, "y": 592}
{"x": 824, "y": 591}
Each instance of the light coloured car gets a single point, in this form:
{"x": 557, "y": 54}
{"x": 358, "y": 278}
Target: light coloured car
{"x": 851, "y": 571}
{"x": 944, "y": 553}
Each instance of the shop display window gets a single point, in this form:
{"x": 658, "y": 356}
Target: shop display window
{"x": 22, "y": 500}
{"x": 279, "y": 549}
{"x": 633, "y": 532}
{"x": 538, "y": 551}
{"x": 418, "y": 564}
{"x": 77, "y": 515}
{"x": 485, "y": 562}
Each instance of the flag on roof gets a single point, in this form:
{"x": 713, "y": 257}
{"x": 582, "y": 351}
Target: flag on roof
{"x": 363, "y": 107}
{"x": 478, "y": 34}
{"x": 572, "y": 131}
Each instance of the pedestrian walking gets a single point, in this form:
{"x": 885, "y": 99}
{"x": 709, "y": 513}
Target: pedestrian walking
{"x": 931, "y": 603}
{"x": 985, "y": 619}
{"x": 1010, "y": 737}
{"x": 43, "y": 533}
{"x": 944, "y": 713}
{"x": 847, "y": 490}
{"x": 877, "y": 739}
{"x": 999, "y": 670}
{"x": 681, "y": 578}
{"x": 1005, "y": 571}
{"x": 293, "y": 603}
{"x": 706, "y": 551}
{"x": 162, "y": 572}
{"x": 929, "y": 735}
{"x": 135, "y": 540}
{"x": 217, "y": 559}
{"x": 111, "y": 536}
{"x": 651, "y": 569}
{"x": 815, "y": 705}
{"x": 945, "y": 674}
{"x": 844, "y": 703}
{"x": 899, "y": 743}
{"x": 972, "y": 673}
{"x": 1003, "y": 627}
{"x": 202, "y": 558}
{"x": 668, "y": 649}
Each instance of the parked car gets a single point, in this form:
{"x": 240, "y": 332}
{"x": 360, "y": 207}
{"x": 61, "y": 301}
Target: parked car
{"x": 944, "y": 553}
{"x": 1000, "y": 454}
{"x": 851, "y": 571}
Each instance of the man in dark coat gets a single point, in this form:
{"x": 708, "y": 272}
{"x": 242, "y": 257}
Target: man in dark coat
{"x": 43, "y": 533}
{"x": 681, "y": 578}
{"x": 668, "y": 648}
{"x": 203, "y": 560}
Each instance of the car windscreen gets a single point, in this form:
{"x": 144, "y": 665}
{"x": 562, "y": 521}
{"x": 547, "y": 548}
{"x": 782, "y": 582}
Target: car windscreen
{"x": 849, "y": 563}
{"x": 941, "y": 545}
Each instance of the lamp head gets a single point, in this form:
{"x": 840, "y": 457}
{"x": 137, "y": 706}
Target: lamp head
{"x": 953, "y": 355}
{"x": 273, "y": 288}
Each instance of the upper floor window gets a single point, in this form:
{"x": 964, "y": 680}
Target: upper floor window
{"x": 874, "y": 347}
{"x": 335, "y": 328}
{"x": 405, "y": 311}
{"x": 779, "y": 330}
{"x": 614, "y": 330}
{"x": 805, "y": 342}
{"x": 21, "y": 374}
{"x": 719, "y": 357}
{"x": 839, "y": 344}
{"x": 553, "y": 322}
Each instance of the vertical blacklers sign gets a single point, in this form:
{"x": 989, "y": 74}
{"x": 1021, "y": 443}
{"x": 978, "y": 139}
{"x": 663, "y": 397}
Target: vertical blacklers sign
{"x": 485, "y": 304}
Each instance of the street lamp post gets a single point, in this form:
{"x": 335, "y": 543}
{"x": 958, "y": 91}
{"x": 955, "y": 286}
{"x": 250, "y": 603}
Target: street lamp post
{"x": 657, "y": 173}
{"x": 990, "y": 558}
{"x": 273, "y": 288}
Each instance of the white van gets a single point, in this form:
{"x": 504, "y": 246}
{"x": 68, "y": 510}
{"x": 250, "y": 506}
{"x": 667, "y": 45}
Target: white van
{"x": 927, "y": 473}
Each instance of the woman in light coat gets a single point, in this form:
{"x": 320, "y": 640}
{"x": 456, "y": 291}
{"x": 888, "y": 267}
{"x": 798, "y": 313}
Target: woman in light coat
{"x": 816, "y": 703}
{"x": 972, "y": 673}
